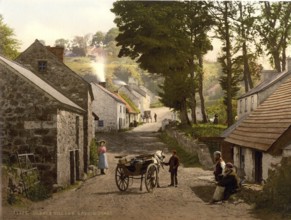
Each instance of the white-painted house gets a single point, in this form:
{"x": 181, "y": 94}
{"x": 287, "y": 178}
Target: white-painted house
{"x": 110, "y": 109}
{"x": 262, "y": 135}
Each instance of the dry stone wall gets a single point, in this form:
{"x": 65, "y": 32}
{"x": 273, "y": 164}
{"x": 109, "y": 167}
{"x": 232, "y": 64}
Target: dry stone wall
{"x": 192, "y": 146}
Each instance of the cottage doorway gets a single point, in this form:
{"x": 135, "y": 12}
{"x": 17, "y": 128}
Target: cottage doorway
{"x": 120, "y": 123}
{"x": 72, "y": 167}
{"x": 258, "y": 166}
{"x": 77, "y": 162}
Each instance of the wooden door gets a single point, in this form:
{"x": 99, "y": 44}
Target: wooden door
{"x": 258, "y": 166}
{"x": 72, "y": 167}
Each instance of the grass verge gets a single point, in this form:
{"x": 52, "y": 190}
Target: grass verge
{"x": 188, "y": 160}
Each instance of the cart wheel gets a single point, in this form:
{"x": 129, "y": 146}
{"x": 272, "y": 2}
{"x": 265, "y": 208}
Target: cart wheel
{"x": 151, "y": 177}
{"x": 121, "y": 179}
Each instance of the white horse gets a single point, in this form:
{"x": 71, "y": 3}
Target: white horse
{"x": 158, "y": 159}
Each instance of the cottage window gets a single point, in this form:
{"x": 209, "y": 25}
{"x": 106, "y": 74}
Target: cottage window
{"x": 100, "y": 123}
{"x": 246, "y": 104}
{"x": 42, "y": 65}
{"x": 120, "y": 109}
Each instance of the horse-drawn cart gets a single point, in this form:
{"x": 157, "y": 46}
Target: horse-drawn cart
{"x": 140, "y": 167}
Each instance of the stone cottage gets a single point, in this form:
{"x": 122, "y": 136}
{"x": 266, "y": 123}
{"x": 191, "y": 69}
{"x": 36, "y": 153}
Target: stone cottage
{"x": 137, "y": 94}
{"x": 37, "y": 118}
{"x": 47, "y": 63}
{"x": 110, "y": 109}
{"x": 261, "y": 138}
{"x": 131, "y": 113}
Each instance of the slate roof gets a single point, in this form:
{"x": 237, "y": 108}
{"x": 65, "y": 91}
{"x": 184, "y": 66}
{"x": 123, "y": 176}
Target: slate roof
{"x": 112, "y": 95}
{"x": 267, "y": 123}
{"x": 267, "y": 83}
{"x": 38, "y": 82}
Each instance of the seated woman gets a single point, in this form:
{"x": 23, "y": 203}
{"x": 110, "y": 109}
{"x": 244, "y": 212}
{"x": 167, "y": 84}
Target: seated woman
{"x": 227, "y": 185}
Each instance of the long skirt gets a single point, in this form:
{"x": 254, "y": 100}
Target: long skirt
{"x": 102, "y": 163}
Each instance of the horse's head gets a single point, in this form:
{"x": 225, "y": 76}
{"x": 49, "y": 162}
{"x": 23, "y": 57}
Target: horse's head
{"x": 159, "y": 155}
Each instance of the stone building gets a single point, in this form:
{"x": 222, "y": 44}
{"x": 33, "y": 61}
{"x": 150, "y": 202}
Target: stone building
{"x": 110, "y": 109}
{"x": 47, "y": 64}
{"x": 138, "y": 94}
{"x": 261, "y": 137}
{"x": 36, "y": 118}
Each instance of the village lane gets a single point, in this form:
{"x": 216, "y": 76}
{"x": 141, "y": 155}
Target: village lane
{"x": 99, "y": 197}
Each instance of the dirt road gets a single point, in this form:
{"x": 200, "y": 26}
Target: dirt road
{"x": 99, "y": 198}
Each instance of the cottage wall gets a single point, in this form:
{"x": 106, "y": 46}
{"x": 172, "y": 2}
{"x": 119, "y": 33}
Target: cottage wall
{"x": 268, "y": 163}
{"x": 106, "y": 109}
{"x": 63, "y": 79}
{"x": 247, "y": 105}
{"x": 69, "y": 140}
{"x": 28, "y": 122}
{"x": 249, "y": 165}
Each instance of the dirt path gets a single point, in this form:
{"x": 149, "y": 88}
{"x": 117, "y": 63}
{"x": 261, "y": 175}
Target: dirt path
{"x": 99, "y": 198}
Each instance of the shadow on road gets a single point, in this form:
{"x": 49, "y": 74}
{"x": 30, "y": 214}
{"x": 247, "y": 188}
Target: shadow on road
{"x": 205, "y": 193}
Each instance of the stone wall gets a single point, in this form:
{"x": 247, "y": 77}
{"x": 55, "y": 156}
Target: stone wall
{"x": 63, "y": 79}
{"x": 193, "y": 147}
{"x": 69, "y": 141}
{"x": 28, "y": 122}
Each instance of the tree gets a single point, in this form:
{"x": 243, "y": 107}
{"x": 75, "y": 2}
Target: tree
{"x": 146, "y": 35}
{"x": 98, "y": 38}
{"x": 224, "y": 12}
{"x": 8, "y": 44}
{"x": 111, "y": 35}
{"x": 62, "y": 43}
{"x": 244, "y": 28}
{"x": 79, "y": 45}
{"x": 274, "y": 27}
{"x": 198, "y": 22}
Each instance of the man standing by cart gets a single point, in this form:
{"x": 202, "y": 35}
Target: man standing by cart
{"x": 174, "y": 164}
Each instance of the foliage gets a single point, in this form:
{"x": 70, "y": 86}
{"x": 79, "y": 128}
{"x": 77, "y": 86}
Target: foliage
{"x": 8, "y": 44}
{"x": 62, "y": 43}
{"x": 93, "y": 153}
{"x": 276, "y": 192}
{"x": 186, "y": 159}
{"x": 274, "y": 26}
{"x": 207, "y": 130}
{"x": 111, "y": 35}
{"x": 38, "y": 192}
{"x": 98, "y": 39}
{"x": 219, "y": 109}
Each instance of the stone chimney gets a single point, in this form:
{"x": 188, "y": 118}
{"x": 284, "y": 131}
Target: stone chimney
{"x": 103, "y": 84}
{"x": 267, "y": 75}
{"x": 57, "y": 51}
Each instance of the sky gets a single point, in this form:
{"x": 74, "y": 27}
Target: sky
{"x": 49, "y": 20}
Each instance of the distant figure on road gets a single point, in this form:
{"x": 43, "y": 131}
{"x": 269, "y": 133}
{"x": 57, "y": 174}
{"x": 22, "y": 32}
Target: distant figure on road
{"x": 155, "y": 116}
{"x": 174, "y": 164}
{"x": 102, "y": 162}
{"x": 219, "y": 166}
{"x": 215, "y": 121}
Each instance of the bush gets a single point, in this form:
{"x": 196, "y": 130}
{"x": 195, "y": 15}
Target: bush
{"x": 38, "y": 192}
{"x": 276, "y": 194}
{"x": 93, "y": 153}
